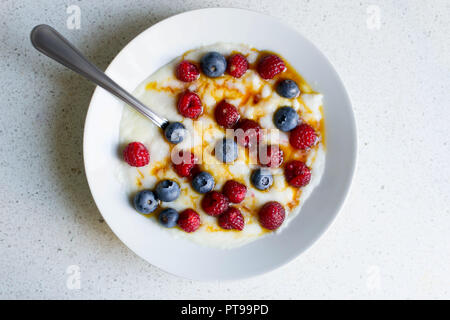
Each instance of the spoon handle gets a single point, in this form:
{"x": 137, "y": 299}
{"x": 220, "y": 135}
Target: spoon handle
{"x": 48, "y": 41}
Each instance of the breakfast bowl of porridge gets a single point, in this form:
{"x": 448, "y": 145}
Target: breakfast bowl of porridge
{"x": 260, "y": 158}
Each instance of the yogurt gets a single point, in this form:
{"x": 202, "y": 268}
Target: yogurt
{"x": 255, "y": 99}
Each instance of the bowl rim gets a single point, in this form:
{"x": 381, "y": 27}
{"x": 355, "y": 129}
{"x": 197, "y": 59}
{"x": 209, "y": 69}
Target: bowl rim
{"x": 346, "y": 186}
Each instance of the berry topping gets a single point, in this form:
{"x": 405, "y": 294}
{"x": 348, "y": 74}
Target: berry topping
{"x": 190, "y": 105}
{"x": 167, "y": 190}
{"x": 187, "y": 71}
{"x": 145, "y": 201}
{"x": 250, "y": 133}
{"x": 175, "y": 132}
{"x": 303, "y": 137}
{"x": 270, "y": 156}
{"x": 234, "y": 191}
{"x": 237, "y": 65}
{"x": 231, "y": 219}
{"x": 286, "y": 119}
{"x": 271, "y": 215}
{"x": 195, "y": 170}
{"x": 213, "y": 64}
{"x": 214, "y": 203}
{"x": 184, "y": 163}
{"x": 270, "y": 66}
{"x": 189, "y": 220}
{"x": 261, "y": 179}
{"x": 226, "y": 150}
{"x": 136, "y": 155}
{"x": 203, "y": 182}
{"x": 226, "y": 114}
{"x": 288, "y": 89}
{"x": 168, "y": 217}
{"x": 297, "y": 173}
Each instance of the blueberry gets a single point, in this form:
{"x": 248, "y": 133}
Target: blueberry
{"x": 145, "y": 201}
{"x": 167, "y": 190}
{"x": 288, "y": 89}
{"x": 226, "y": 150}
{"x": 203, "y": 182}
{"x": 168, "y": 217}
{"x": 285, "y": 119}
{"x": 213, "y": 64}
{"x": 175, "y": 132}
{"x": 262, "y": 179}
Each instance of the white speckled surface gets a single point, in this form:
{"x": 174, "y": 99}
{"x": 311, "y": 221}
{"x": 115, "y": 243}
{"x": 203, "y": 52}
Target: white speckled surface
{"x": 392, "y": 238}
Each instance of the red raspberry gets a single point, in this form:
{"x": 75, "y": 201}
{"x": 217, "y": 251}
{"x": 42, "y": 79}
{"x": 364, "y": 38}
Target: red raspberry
{"x": 136, "y": 154}
{"x": 189, "y": 220}
{"x": 187, "y": 71}
{"x": 271, "y": 215}
{"x": 226, "y": 114}
{"x": 190, "y": 105}
{"x": 303, "y": 137}
{"x": 214, "y": 203}
{"x": 237, "y": 65}
{"x": 185, "y": 164}
{"x": 272, "y": 157}
{"x": 234, "y": 191}
{"x": 251, "y": 134}
{"x": 270, "y": 66}
{"x": 196, "y": 169}
{"x": 231, "y": 219}
{"x": 297, "y": 173}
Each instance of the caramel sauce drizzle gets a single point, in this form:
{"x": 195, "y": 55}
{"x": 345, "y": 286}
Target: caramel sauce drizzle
{"x": 219, "y": 89}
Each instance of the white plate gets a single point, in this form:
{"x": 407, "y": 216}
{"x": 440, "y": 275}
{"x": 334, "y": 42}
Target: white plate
{"x": 157, "y": 46}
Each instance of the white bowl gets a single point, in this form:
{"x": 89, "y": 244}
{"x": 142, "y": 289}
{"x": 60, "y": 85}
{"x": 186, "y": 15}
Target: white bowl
{"x": 157, "y": 46}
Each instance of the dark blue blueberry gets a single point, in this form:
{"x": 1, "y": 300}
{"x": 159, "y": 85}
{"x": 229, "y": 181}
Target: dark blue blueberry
{"x": 286, "y": 118}
{"x": 213, "y": 64}
{"x": 203, "y": 182}
{"x": 288, "y": 89}
{"x": 168, "y": 217}
{"x": 175, "y": 132}
{"x": 261, "y": 178}
{"x": 145, "y": 201}
{"x": 226, "y": 150}
{"x": 167, "y": 190}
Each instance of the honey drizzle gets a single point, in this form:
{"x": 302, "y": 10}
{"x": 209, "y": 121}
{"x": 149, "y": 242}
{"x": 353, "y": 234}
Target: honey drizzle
{"x": 219, "y": 90}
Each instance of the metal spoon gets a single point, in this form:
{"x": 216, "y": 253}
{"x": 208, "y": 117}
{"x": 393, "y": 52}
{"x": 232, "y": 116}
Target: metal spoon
{"x": 48, "y": 41}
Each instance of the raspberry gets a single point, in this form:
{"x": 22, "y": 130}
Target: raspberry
{"x": 270, "y": 66}
{"x": 271, "y": 157}
{"x": 226, "y": 114}
{"x": 232, "y": 219}
{"x": 297, "y": 173}
{"x": 189, "y": 220}
{"x": 214, "y": 203}
{"x": 251, "y": 134}
{"x": 187, "y": 71}
{"x": 271, "y": 215}
{"x": 185, "y": 164}
{"x": 303, "y": 137}
{"x": 234, "y": 191}
{"x": 136, "y": 154}
{"x": 190, "y": 105}
{"x": 237, "y": 65}
{"x": 195, "y": 170}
